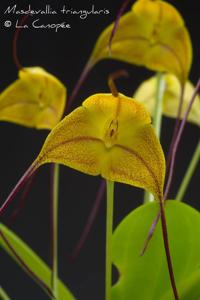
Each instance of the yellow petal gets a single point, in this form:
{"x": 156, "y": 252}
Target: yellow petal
{"x": 146, "y": 95}
{"x": 37, "y": 99}
{"x": 153, "y": 35}
{"x": 109, "y": 136}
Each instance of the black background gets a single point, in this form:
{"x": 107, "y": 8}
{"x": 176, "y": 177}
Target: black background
{"x": 64, "y": 54}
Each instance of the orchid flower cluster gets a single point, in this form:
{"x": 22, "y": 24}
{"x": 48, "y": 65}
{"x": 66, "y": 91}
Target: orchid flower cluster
{"x": 113, "y": 135}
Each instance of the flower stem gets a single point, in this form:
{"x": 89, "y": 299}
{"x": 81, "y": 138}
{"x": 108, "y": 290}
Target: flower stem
{"x": 176, "y": 128}
{"x": 167, "y": 250}
{"x": 178, "y": 138}
{"x": 157, "y": 117}
{"x": 188, "y": 175}
{"x": 176, "y": 144}
{"x": 55, "y": 191}
{"x": 78, "y": 85}
{"x": 109, "y": 228}
{"x": 90, "y": 220}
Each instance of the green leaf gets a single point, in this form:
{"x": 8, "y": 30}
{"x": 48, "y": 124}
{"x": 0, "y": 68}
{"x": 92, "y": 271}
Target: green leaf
{"x": 146, "y": 277}
{"x": 3, "y": 294}
{"x": 34, "y": 262}
{"x": 146, "y": 94}
{"x": 189, "y": 288}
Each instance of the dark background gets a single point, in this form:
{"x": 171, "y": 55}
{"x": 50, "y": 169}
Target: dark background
{"x": 64, "y": 54}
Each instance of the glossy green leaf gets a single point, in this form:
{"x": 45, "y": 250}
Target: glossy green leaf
{"x": 146, "y": 277}
{"x": 146, "y": 94}
{"x": 112, "y": 137}
{"x": 35, "y": 263}
{"x": 153, "y": 35}
{"x": 37, "y": 99}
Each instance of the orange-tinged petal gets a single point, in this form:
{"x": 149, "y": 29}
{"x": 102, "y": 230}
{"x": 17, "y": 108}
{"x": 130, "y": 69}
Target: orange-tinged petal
{"x": 37, "y": 99}
{"x": 153, "y": 35}
{"x": 109, "y": 136}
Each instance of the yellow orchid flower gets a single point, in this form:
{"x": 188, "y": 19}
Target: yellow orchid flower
{"x": 171, "y": 97}
{"x": 152, "y": 34}
{"x": 37, "y": 99}
{"x": 111, "y": 136}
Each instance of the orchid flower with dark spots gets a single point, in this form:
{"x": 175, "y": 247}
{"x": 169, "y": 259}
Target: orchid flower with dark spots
{"x": 112, "y": 137}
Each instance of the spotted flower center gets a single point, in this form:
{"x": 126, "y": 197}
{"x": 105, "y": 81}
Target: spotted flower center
{"x": 111, "y": 134}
